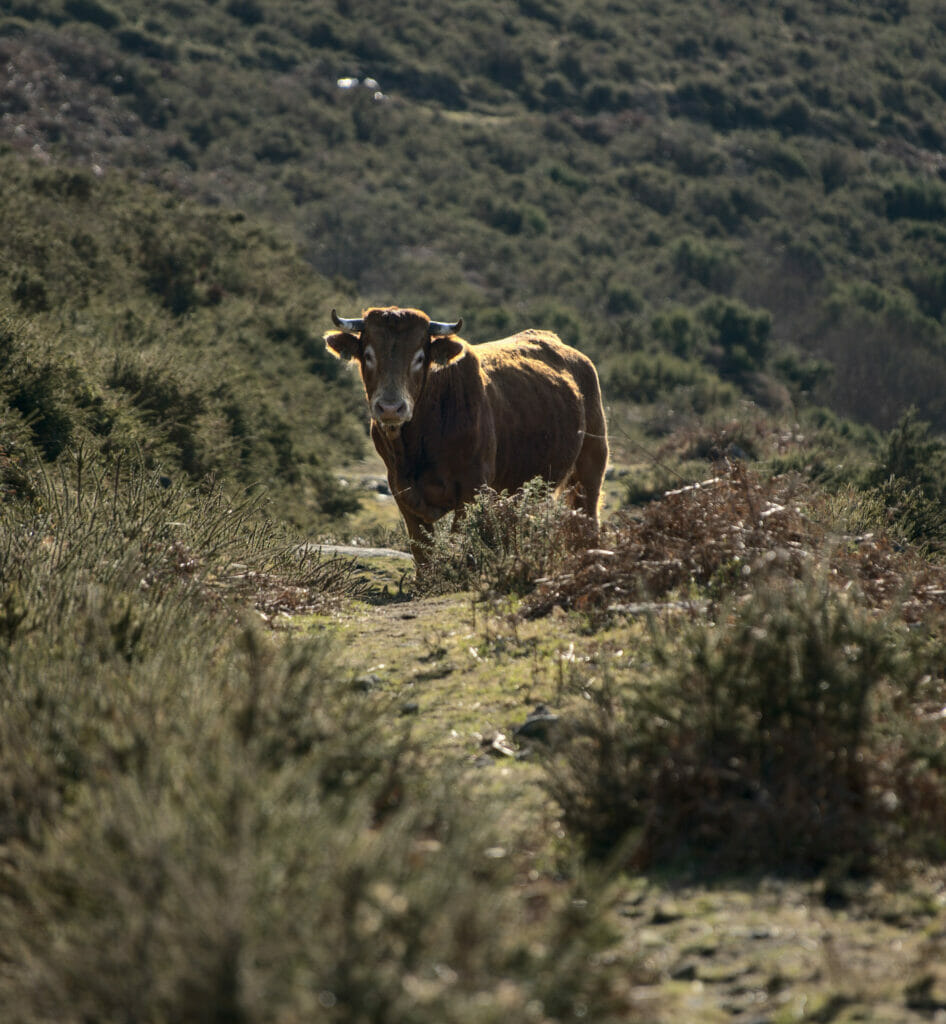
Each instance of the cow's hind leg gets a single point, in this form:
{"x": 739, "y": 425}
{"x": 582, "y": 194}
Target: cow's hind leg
{"x": 586, "y": 478}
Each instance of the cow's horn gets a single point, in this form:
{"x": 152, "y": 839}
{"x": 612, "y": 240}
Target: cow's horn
{"x": 438, "y": 329}
{"x": 354, "y": 326}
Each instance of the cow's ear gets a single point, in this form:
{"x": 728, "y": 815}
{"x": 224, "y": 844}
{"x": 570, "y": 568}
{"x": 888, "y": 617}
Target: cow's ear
{"x": 343, "y": 345}
{"x": 444, "y": 350}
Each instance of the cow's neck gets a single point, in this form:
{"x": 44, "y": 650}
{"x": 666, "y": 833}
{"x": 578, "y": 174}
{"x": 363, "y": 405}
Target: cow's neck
{"x": 408, "y": 447}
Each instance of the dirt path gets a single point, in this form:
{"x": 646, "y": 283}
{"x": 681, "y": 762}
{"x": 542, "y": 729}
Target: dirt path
{"x": 466, "y": 674}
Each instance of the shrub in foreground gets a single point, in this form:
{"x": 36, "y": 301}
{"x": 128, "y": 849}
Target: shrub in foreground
{"x": 267, "y": 851}
{"x": 786, "y": 736}
{"x": 199, "y": 821}
{"x": 505, "y": 542}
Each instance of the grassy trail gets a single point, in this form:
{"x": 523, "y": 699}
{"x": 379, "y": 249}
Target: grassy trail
{"x": 466, "y": 673}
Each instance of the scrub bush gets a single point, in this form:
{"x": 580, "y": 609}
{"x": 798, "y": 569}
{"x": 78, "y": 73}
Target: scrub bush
{"x": 506, "y": 542}
{"x": 781, "y": 737}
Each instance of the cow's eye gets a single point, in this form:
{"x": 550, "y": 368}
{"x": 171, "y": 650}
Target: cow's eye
{"x": 370, "y": 360}
{"x": 417, "y": 364}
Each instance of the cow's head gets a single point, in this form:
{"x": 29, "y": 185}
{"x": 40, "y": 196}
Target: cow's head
{"x": 394, "y": 348}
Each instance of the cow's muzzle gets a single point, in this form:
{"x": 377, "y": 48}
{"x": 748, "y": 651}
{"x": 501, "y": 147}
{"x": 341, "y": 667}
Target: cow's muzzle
{"x": 391, "y": 415}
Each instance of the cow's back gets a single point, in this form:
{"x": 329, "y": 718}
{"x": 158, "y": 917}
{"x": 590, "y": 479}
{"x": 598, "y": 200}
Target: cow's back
{"x": 542, "y": 394}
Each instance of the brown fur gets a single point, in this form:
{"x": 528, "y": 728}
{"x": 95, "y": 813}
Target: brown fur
{"x": 491, "y": 415}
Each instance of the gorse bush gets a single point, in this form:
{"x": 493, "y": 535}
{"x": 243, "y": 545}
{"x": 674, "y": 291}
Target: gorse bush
{"x": 912, "y": 454}
{"x": 645, "y": 377}
{"x": 781, "y": 737}
{"x": 81, "y": 533}
{"x": 104, "y": 577}
{"x": 163, "y": 331}
{"x": 230, "y": 891}
{"x": 199, "y": 822}
{"x": 910, "y": 482}
{"x": 504, "y": 542}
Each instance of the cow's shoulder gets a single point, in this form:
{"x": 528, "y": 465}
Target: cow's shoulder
{"x": 533, "y": 348}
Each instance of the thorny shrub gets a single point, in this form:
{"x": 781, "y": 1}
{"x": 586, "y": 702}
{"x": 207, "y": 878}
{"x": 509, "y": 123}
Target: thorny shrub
{"x": 505, "y": 542}
{"x": 199, "y": 822}
{"x": 707, "y": 534}
{"x": 797, "y": 731}
{"x": 237, "y": 829}
{"x": 909, "y": 480}
{"x": 131, "y": 535}
{"x": 111, "y": 576}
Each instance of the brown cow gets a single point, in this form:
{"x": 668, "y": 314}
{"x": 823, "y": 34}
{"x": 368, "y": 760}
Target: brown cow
{"x": 449, "y": 418}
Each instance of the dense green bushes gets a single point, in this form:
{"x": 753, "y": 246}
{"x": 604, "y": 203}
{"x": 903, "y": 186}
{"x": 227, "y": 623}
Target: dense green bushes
{"x": 721, "y": 340}
{"x": 135, "y": 323}
{"x": 197, "y": 821}
{"x": 779, "y": 160}
{"x": 783, "y": 735}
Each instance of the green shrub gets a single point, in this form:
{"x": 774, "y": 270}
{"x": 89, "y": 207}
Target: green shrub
{"x": 209, "y": 824}
{"x": 214, "y": 887}
{"x": 723, "y": 108}
{"x": 145, "y": 44}
{"x": 652, "y": 186}
{"x": 929, "y": 287}
{"x": 170, "y": 406}
{"x": 914, "y": 455}
{"x": 250, "y": 12}
{"x": 794, "y": 117}
{"x": 835, "y": 168}
{"x": 784, "y": 160}
{"x": 726, "y": 209}
{"x": 106, "y": 576}
{"x": 504, "y": 542}
{"x": 29, "y": 292}
{"x": 645, "y": 377}
{"x": 910, "y": 480}
{"x": 804, "y": 374}
{"x": 35, "y": 385}
{"x": 676, "y": 331}
{"x": 691, "y": 157}
{"x": 915, "y": 199}
{"x": 622, "y": 299}
{"x": 780, "y": 737}
{"x": 739, "y": 334}
{"x": 711, "y": 265}
{"x": 94, "y": 11}
{"x": 278, "y": 146}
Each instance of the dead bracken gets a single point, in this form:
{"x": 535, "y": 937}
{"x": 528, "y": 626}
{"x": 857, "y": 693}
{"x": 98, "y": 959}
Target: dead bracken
{"x": 720, "y": 533}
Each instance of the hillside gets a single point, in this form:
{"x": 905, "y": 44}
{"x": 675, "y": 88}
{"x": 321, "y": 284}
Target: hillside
{"x": 140, "y": 325}
{"x": 618, "y": 171}
{"x": 694, "y": 773}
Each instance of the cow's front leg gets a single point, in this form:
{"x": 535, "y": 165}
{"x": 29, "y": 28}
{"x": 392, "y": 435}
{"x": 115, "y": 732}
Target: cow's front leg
{"x": 414, "y": 499}
{"x": 421, "y": 536}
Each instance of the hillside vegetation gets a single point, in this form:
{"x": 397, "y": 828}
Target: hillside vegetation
{"x": 630, "y": 174}
{"x": 696, "y": 772}
{"x": 140, "y": 324}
